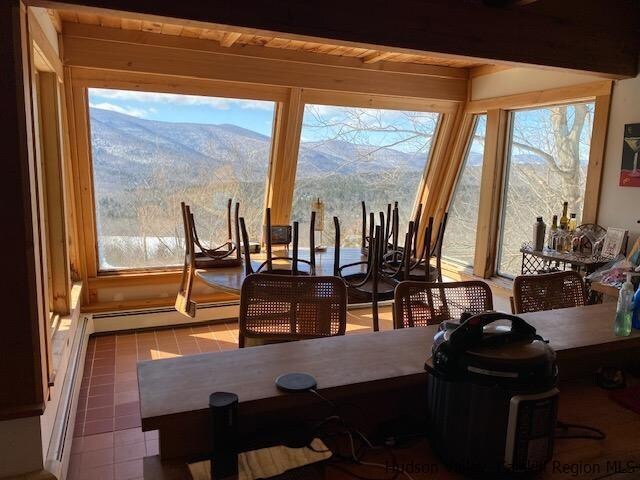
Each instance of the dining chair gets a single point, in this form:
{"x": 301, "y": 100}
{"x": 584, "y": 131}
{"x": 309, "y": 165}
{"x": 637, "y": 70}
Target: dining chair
{"x": 294, "y": 261}
{"x": 197, "y": 256}
{"x": 421, "y": 268}
{"x": 227, "y": 254}
{"x": 418, "y": 304}
{"x": 548, "y": 291}
{"x": 280, "y": 308}
{"x": 370, "y": 280}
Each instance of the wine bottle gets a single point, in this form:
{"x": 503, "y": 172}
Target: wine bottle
{"x": 564, "y": 220}
{"x": 553, "y": 232}
{"x": 538, "y": 234}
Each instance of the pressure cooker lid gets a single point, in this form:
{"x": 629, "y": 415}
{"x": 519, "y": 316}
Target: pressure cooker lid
{"x": 524, "y": 354}
{"x": 483, "y": 346}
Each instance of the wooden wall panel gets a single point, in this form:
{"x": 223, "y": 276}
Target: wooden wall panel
{"x": 23, "y": 375}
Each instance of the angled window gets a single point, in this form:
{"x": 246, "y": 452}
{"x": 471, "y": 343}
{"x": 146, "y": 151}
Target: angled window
{"x": 150, "y": 151}
{"x": 546, "y": 165}
{"x": 460, "y": 236}
{"x": 350, "y": 154}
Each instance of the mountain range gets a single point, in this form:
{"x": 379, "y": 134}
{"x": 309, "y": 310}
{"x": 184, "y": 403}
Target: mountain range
{"x": 127, "y": 150}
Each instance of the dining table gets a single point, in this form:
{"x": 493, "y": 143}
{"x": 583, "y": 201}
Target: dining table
{"x": 229, "y": 279}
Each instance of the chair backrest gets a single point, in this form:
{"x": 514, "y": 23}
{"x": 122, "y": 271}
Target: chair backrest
{"x": 280, "y": 308}
{"x": 548, "y": 291}
{"x": 418, "y": 304}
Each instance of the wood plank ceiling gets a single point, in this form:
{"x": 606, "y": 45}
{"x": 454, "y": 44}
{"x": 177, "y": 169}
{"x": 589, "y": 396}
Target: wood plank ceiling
{"x": 229, "y": 38}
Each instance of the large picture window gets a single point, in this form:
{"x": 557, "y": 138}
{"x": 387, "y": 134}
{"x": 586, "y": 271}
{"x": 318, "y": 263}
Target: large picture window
{"x": 350, "y": 154}
{"x": 150, "y": 151}
{"x": 546, "y": 165}
{"x": 460, "y": 236}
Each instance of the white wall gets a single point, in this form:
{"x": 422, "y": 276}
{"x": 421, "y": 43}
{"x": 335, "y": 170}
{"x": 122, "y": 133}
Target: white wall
{"x": 20, "y": 450}
{"x": 619, "y": 206}
{"x": 521, "y": 80}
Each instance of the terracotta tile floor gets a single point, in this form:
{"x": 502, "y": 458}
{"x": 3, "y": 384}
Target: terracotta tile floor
{"x": 108, "y": 441}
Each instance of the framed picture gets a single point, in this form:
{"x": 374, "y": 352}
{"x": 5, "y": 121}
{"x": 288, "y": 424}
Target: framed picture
{"x": 613, "y": 242}
{"x": 630, "y": 170}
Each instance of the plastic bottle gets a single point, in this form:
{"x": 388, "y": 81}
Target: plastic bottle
{"x": 622, "y": 326}
{"x": 635, "y": 320}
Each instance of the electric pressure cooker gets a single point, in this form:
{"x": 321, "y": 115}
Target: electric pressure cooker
{"x": 492, "y": 396}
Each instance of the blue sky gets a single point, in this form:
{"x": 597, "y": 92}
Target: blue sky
{"x": 254, "y": 115}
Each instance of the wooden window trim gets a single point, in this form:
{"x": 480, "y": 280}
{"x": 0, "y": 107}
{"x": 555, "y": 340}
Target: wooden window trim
{"x": 463, "y": 145}
{"x": 542, "y": 98}
{"x": 79, "y": 81}
{"x": 498, "y": 111}
{"x": 490, "y": 193}
{"x": 54, "y": 191}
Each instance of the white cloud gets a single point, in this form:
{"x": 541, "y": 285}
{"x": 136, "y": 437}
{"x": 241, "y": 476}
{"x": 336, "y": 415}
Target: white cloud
{"x": 134, "y": 112}
{"x": 178, "y": 99}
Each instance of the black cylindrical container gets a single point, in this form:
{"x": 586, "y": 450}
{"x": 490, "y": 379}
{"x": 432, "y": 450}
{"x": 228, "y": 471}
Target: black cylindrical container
{"x": 224, "y": 424}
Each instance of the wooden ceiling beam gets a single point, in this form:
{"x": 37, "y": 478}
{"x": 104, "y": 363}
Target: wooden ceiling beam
{"x": 79, "y": 30}
{"x": 462, "y": 29}
{"x": 172, "y": 57}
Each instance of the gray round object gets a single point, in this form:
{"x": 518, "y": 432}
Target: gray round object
{"x": 295, "y": 382}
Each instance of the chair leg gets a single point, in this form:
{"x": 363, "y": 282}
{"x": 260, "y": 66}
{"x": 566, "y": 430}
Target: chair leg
{"x": 374, "y": 311}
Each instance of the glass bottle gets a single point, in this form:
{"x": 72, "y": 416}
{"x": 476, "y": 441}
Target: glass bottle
{"x": 573, "y": 223}
{"x": 553, "y": 232}
{"x": 539, "y": 230}
{"x": 564, "y": 220}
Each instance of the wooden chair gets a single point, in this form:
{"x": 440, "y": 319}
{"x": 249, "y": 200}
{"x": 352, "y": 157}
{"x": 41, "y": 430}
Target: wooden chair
{"x": 421, "y": 269}
{"x": 220, "y": 256}
{"x": 279, "y": 308}
{"x": 390, "y": 228}
{"x": 196, "y": 256}
{"x": 372, "y": 280}
{"x": 268, "y": 265}
{"x": 548, "y": 291}
{"x": 418, "y": 304}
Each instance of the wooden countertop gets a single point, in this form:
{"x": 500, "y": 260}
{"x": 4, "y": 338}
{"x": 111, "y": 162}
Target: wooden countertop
{"x": 361, "y": 362}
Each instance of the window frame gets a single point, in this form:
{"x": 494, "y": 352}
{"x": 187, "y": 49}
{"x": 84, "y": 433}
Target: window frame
{"x": 211, "y": 89}
{"x": 507, "y": 169}
{"x": 356, "y": 100}
{"x": 170, "y": 268}
{"x": 499, "y": 114}
{"x": 452, "y": 263}
{"x": 290, "y": 101}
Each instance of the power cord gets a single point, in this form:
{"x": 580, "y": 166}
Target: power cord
{"x": 356, "y": 456}
{"x": 597, "y": 434}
